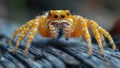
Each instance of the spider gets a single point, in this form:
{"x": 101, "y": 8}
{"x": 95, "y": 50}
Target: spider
{"x": 56, "y": 22}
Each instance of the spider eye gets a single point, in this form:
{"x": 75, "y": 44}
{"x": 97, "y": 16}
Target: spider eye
{"x": 68, "y": 13}
{"x": 49, "y": 13}
{"x": 55, "y": 16}
{"x": 62, "y": 16}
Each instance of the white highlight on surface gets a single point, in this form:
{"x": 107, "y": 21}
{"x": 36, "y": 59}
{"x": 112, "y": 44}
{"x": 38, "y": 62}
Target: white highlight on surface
{"x": 82, "y": 28}
{"x": 99, "y": 27}
{"x": 35, "y": 29}
{"x": 59, "y": 11}
{"x": 46, "y": 14}
{"x": 100, "y": 40}
{"x": 37, "y": 23}
{"x": 70, "y": 19}
{"x": 91, "y": 21}
{"x": 87, "y": 32}
{"x": 81, "y": 22}
{"x": 31, "y": 21}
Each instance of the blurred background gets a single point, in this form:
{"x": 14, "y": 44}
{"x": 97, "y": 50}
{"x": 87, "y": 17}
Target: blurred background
{"x": 105, "y": 12}
{"x": 14, "y": 13}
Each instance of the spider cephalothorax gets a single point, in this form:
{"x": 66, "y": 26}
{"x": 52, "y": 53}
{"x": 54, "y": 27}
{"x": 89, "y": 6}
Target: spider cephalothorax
{"x": 59, "y": 19}
{"x": 56, "y": 22}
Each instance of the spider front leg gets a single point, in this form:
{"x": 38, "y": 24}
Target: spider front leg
{"x": 67, "y": 32}
{"x": 52, "y": 31}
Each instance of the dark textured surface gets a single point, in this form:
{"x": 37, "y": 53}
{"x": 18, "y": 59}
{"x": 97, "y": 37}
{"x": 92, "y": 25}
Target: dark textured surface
{"x": 47, "y": 53}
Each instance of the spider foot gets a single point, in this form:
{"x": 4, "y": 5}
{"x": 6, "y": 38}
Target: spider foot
{"x": 89, "y": 51}
{"x": 26, "y": 51}
{"x": 101, "y": 51}
{"x": 15, "y": 49}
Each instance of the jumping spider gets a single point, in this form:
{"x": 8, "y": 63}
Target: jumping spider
{"x": 49, "y": 25}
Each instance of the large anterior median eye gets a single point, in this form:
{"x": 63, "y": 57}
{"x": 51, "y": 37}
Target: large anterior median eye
{"x": 62, "y": 16}
{"x": 55, "y": 16}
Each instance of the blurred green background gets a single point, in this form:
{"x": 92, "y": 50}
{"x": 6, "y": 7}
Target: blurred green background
{"x": 105, "y": 12}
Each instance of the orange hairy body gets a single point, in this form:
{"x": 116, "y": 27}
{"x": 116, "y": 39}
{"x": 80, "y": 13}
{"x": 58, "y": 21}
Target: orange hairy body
{"x": 57, "y": 22}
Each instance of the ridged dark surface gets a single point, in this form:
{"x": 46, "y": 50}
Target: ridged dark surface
{"x": 47, "y": 53}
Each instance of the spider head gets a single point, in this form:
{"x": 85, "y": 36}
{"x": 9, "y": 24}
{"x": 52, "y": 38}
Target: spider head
{"x": 59, "y": 14}
{"x": 60, "y": 18}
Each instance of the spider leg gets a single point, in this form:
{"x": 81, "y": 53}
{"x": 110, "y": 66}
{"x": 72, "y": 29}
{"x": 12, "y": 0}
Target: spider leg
{"x": 88, "y": 39}
{"x": 94, "y": 26}
{"x": 106, "y": 34}
{"x": 67, "y": 32}
{"x": 22, "y": 34}
{"x": 98, "y": 31}
{"x": 97, "y": 36}
{"x": 32, "y": 32}
{"x": 14, "y": 34}
{"x": 52, "y": 31}
{"x": 103, "y": 40}
{"x": 86, "y": 35}
{"x": 81, "y": 25}
{"x": 17, "y": 32}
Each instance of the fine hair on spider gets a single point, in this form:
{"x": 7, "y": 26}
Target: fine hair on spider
{"x": 55, "y": 23}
